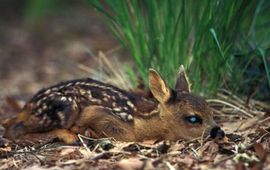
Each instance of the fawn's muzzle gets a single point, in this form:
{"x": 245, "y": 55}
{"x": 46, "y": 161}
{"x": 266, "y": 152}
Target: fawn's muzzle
{"x": 217, "y": 133}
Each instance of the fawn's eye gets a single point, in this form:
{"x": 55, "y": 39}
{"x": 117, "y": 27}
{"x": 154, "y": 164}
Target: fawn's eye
{"x": 193, "y": 119}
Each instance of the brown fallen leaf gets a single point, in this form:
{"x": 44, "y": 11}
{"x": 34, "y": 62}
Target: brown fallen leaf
{"x": 186, "y": 162}
{"x": 261, "y": 131}
{"x": 240, "y": 166}
{"x": 226, "y": 139}
{"x": 134, "y": 164}
{"x": 209, "y": 151}
{"x": 248, "y": 123}
{"x": 67, "y": 151}
{"x": 177, "y": 147}
{"x": 260, "y": 151}
{"x": 38, "y": 167}
{"x": 266, "y": 143}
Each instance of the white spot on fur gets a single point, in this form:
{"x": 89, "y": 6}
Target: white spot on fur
{"x": 47, "y": 91}
{"x": 51, "y": 95}
{"x": 44, "y": 107}
{"x": 95, "y": 100}
{"x": 60, "y": 87}
{"x": 130, "y": 104}
{"x": 82, "y": 92}
{"x": 117, "y": 109}
{"x": 83, "y": 83}
{"x": 130, "y": 117}
{"x": 61, "y": 116}
{"x": 38, "y": 102}
{"x": 123, "y": 115}
{"x": 63, "y": 98}
{"x": 55, "y": 89}
{"x": 69, "y": 84}
{"x": 42, "y": 121}
{"x": 89, "y": 94}
{"x": 39, "y": 110}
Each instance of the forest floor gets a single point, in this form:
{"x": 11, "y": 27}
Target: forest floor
{"x": 246, "y": 145}
{"x": 61, "y": 49}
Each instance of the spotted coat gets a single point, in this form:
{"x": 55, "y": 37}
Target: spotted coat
{"x": 56, "y": 104}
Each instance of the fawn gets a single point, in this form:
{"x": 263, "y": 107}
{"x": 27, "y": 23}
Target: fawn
{"x": 96, "y": 109}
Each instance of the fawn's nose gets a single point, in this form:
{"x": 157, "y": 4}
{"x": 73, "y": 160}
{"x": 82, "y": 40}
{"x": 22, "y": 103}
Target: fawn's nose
{"x": 217, "y": 133}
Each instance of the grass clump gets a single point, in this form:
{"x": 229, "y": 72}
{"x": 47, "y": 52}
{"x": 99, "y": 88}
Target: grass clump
{"x": 217, "y": 41}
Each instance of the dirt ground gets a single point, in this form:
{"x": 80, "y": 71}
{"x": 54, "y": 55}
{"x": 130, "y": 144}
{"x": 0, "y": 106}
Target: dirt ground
{"x": 51, "y": 50}
{"x": 63, "y": 47}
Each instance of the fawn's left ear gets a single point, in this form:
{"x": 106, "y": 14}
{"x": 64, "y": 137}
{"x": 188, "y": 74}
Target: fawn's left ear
{"x": 182, "y": 83}
{"x": 158, "y": 87}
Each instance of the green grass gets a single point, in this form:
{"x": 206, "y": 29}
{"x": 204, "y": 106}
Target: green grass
{"x": 205, "y": 36}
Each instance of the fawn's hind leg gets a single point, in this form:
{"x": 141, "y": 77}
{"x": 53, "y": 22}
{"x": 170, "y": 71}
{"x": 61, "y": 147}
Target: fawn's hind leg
{"x": 63, "y": 135}
{"x": 103, "y": 123}
{"x": 61, "y": 115}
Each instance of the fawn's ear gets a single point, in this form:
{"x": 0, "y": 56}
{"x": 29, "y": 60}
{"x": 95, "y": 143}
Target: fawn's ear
{"x": 158, "y": 87}
{"x": 182, "y": 83}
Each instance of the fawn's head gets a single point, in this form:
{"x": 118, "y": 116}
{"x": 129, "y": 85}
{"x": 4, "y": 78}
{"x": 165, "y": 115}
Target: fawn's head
{"x": 191, "y": 114}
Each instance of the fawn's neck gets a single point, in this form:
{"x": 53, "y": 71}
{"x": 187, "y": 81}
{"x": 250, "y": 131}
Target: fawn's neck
{"x": 154, "y": 127}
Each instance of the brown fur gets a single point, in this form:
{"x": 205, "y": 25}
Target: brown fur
{"x": 99, "y": 110}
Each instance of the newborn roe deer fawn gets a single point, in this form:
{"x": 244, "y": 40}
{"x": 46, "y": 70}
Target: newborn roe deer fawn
{"x": 98, "y": 110}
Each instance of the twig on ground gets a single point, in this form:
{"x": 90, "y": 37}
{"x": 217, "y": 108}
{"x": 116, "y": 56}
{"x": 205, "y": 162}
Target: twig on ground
{"x": 231, "y": 105}
{"x": 83, "y": 143}
{"x": 170, "y": 166}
